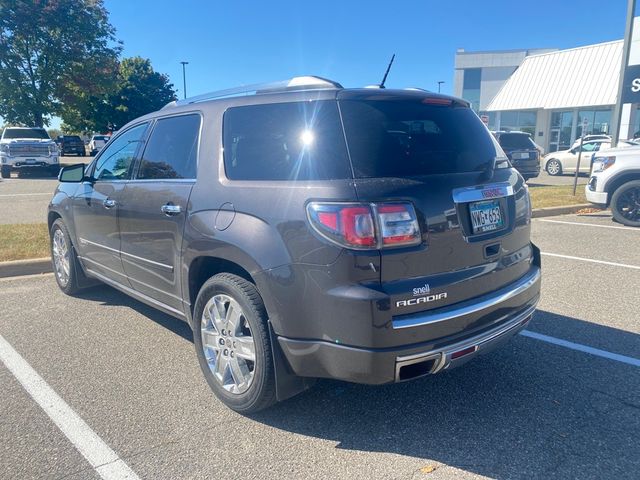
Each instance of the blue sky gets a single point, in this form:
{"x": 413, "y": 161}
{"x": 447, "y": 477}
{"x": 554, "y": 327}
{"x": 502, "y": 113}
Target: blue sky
{"x": 231, "y": 43}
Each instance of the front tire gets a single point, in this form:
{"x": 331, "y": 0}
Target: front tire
{"x": 232, "y": 343}
{"x": 554, "y": 167}
{"x": 625, "y": 204}
{"x": 66, "y": 267}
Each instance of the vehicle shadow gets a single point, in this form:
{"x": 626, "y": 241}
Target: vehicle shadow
{"x": 528, "y": 410}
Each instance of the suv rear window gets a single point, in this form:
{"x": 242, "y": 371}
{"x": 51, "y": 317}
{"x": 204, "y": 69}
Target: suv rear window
{"x": 404, "y": 138}
{"x": 516, "y": 141}
{"x": 285, "y": 141}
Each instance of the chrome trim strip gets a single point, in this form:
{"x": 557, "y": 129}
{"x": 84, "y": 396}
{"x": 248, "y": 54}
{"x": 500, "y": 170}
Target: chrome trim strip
{"x": 157, "y": 264}
{"x": 471, "y": 306}
{"x": 442, "y": 355}
{"x": 85, "y": 259}
{"x": 135, "y": 294}
{"x": 482, "y": 192}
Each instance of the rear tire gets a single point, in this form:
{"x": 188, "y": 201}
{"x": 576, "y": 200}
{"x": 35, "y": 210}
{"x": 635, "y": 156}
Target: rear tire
{"x": 66, "y": 267}
{"x": 5, "y": 172}
{"x": 625, "y": 204}
{"x": 231, "y": 337}
{"x": 554, "y": 167}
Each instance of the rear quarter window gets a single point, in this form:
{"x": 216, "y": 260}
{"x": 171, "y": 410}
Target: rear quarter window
{"x": 285, "y": 141}
{"x": 404, "y": 138}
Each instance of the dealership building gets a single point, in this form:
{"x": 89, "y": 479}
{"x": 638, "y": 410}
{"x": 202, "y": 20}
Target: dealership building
{"x": 549, "y": 93}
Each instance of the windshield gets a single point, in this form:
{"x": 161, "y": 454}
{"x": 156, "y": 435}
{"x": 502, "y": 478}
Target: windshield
{"x": 516, "y": 141}
{"x": 29, "y": 133}
{"x": 403, "y": 138}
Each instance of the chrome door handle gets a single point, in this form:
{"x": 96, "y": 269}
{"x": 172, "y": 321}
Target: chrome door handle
{"x": 169, "y": 209}
{"x": 109, "y": 203}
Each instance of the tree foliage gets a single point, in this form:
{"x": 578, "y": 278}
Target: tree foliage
{"x": 138, "y": 89}
{"x": 50, "y": 50}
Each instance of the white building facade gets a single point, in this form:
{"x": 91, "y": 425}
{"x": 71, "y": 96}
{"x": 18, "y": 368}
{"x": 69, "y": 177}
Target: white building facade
{"x": 549, "y": 94}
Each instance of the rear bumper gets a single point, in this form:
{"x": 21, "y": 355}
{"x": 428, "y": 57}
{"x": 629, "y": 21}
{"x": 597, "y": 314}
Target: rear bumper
{"x": 516, "y": 303}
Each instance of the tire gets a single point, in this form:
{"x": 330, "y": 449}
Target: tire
{"x": 5, "y": 172}
{"x": 224, "y": 353}
{"x": 66, "y": 267}
{"x": 554, "y": 167}
{"x": 625, "y": 204}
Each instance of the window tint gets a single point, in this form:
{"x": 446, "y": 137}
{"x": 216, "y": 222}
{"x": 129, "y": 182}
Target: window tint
{"x": 115, "y": 161}
{"x": 402, "y": 138}
{"x": 516, "y": 141}
{"x": 29, "y": 133}
{"x": 172, "y": 149}
{"x": 285, "y": 141}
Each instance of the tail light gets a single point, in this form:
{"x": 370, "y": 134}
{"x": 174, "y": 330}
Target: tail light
{"x": 366, "y": 225}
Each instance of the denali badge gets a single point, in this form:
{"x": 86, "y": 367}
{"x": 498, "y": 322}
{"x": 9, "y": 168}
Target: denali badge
{"x": 416, "y": 301}
{"x": 421, "y": 290}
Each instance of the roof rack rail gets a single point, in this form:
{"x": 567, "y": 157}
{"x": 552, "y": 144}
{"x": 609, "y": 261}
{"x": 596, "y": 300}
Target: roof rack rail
{"x": 307, "y": 82}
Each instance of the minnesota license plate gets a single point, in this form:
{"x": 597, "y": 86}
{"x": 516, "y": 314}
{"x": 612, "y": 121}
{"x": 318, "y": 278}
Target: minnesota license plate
{"x": 486, "y": 216}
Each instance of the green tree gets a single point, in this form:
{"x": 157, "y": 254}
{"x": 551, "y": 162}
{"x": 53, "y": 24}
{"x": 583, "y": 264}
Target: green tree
{"x": 53, "y": 52}
{"x": 138, "y": 90}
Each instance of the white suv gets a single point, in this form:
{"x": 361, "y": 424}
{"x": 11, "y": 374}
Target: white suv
{"x": 615, "y": 182}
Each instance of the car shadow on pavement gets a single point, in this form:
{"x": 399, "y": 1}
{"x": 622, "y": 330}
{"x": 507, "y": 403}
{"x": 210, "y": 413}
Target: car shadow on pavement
{"x": 110, "y": 296}
{"x": 528, "y": 410}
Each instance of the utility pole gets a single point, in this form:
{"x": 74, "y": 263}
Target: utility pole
{"x": 617, "y": 110}
{"x": 184, "y": 79}
{"x": 440, "y": 82}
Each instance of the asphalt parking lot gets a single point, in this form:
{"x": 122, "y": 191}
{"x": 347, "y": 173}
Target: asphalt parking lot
{"x": 24, "y": 199}
{"x": 533, "y": 409}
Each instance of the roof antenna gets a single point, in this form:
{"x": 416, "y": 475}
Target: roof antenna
{"x": 384, "y": 79}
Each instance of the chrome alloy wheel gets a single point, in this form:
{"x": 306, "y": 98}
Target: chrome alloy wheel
{"x": 61, "y": 257}
{"x": 228, "y": 344}
{"x": 553, "y": 167}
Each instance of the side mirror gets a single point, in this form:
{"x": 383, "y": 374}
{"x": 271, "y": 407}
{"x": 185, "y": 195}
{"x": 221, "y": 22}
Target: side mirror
{"x": 72, "y": 173}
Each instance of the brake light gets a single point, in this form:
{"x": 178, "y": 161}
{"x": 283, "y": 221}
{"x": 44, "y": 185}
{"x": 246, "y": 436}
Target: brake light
{"x": 366, "y": 226}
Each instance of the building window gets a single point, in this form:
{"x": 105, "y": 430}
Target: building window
{"x": 560, "y": 134}
{"x": 471, "y": 87}
{"x": 598, "y": 121}
{"x": 519, "y": 120}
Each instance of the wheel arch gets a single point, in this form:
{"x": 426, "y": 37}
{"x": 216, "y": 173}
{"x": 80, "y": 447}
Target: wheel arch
{"x": 618, "y": 180}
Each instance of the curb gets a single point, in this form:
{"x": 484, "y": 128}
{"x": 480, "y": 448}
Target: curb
{"x": 25, "y": 267}
{"x": 562, "y": 210}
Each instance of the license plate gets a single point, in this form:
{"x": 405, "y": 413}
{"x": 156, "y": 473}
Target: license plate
{"x": 486, "y": 216}
{"x": 521, "y": 156}
{"x": 30, "y": 161}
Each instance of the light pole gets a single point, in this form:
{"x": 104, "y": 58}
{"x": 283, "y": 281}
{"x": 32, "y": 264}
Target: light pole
{"x": 440, "y": 82}
{"x": 184, "y": 79}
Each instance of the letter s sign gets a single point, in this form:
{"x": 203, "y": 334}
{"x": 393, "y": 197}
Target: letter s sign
{"x": 635, "y": 85}
{"x": 631, "y": 90}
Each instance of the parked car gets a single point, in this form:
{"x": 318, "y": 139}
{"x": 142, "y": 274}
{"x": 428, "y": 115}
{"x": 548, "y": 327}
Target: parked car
{"x": 566, "y": 161}
{"x": 71, "y": 144}
{"x": 522, "y": 152}
{"x": 591, "y": 137}
{"x": 25, "y": 149}
{"x": 615, "y": 183}
{"x": 307, "y": 231}
{"x": 97, "y": 142}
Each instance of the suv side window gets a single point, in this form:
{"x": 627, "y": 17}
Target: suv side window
{"x": 285, "y": 141}
{"x": 172, "y": 149}
{"x": 115, "y": 161}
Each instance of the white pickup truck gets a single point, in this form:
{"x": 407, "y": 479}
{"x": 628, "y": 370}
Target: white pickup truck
{"x": 615, "y": 182}
{"x": 24, "y": 148}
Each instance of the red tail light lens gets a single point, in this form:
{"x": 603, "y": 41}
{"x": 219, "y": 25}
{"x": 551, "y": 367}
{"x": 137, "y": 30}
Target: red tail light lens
{"x": 366, "y": 226}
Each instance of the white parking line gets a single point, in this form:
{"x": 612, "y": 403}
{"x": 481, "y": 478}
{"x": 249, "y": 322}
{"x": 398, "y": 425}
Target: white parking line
{"x": 591, "y": 260}
{"x": 102, "y": 458}
{"x": 582, "y": 224}
{"x": 582, "y": 348}
{"x": 26, "y": 194}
